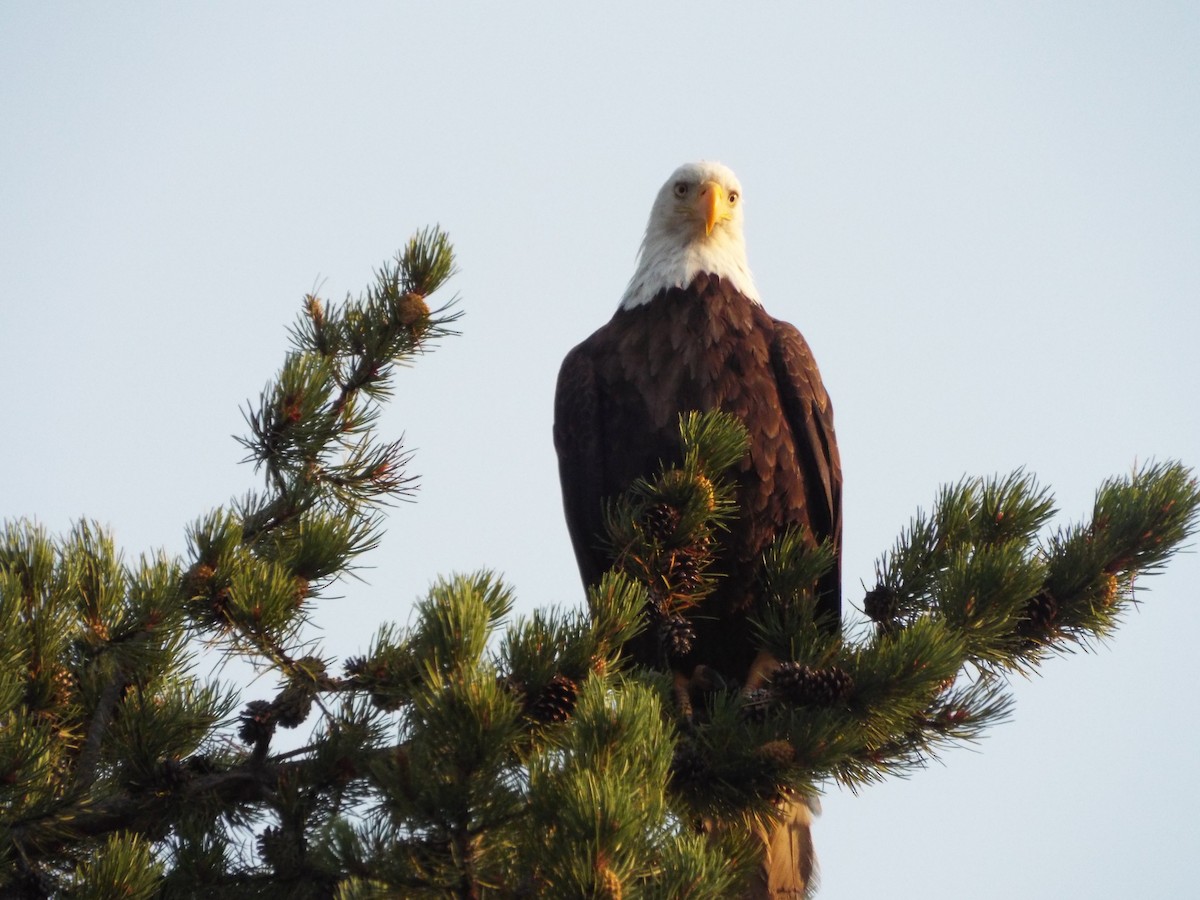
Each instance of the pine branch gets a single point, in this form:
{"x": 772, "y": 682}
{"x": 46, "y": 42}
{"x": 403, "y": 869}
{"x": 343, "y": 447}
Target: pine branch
{"x": 143, "y": 812}
{"x": 105, "y": 717}
{"x": 106, "y": 707}
{"x": 254, "y": 571}
{"x": 324, "y": 400}
{"x": 978, "y": 566}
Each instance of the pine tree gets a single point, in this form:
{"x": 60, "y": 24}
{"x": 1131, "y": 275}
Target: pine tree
{"x": 468, "y": 755}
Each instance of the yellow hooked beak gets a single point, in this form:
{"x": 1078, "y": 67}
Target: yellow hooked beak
{"x": 713, "y": 205}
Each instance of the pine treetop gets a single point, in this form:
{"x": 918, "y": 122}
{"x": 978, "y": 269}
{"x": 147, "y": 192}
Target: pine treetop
{"x": 471, "y": 754}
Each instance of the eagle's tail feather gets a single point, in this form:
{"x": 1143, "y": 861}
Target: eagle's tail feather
{"x": 789, "y": 863}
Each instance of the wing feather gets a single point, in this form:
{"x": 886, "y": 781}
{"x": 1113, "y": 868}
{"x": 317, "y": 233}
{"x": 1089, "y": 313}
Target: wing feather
{"x": 810, "y": 415}
{"x": 578, "y": 430}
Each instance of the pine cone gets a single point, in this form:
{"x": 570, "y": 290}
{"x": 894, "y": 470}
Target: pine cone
{"x": 292, "y": 705}
{"x": 258, "y": 721}
{"x": 881, "y": 605}
{"x": 556, "y": 701}
{"x": 410, "y": 309}
{"x": 660, "y": 521}
{"x": 685, "y": 574}
{"x": 279, "y": 849}
{"x": 805, "y": 686}
{"x": 780, "y": 752}
{"x": 676, "y": 636}
{"x": 1040, "y": 615}
{"x": 99, "y": 628}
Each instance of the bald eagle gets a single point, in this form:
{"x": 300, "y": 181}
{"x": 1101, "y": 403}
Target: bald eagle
{"x": 691, "y": 334}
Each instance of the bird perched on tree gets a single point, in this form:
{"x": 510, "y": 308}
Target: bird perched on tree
{"x": 691, "y": 334}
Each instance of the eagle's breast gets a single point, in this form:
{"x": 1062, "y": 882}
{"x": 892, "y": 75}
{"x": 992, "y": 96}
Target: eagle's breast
{"x": 703, "y": 347}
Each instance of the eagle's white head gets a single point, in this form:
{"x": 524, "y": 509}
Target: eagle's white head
{"x": 695, "y": 226}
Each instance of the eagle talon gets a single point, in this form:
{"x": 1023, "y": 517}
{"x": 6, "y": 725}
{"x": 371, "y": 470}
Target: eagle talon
{"x": 703, "y": 680}
{"x": 765, "y": 665}
{"x": 683, "y": 697}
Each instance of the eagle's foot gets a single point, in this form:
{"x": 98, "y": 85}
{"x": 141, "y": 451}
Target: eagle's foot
{"x": 761, "y": 671}
{"x": 683, "y": 697}
{"x": 703, "y": 680}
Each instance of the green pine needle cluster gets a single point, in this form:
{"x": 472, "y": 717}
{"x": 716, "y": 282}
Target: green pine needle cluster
{"x": 471, "y": 754}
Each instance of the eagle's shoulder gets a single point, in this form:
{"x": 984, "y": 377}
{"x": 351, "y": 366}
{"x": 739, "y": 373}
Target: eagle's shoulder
{"x": 574, "y": 394}
{"x": 795, "y": 365}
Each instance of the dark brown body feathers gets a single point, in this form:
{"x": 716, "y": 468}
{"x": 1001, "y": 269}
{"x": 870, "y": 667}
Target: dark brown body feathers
{"x": 617, "y": 407}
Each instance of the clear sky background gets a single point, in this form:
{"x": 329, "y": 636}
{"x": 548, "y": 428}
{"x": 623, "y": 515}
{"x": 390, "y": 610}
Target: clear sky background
{"x": 984, "y": 217}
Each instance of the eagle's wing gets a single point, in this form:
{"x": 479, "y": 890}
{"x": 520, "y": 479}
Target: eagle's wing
{"x": 810, "y": 415}
{"x": 577, "y": 439}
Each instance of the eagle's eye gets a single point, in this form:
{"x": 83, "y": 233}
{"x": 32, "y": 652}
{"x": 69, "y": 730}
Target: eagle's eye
{"x": 733, "y": 197}
{"x": 681, "y": 189}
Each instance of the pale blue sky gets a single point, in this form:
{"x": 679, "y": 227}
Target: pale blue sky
{"x": 984, "y": 217}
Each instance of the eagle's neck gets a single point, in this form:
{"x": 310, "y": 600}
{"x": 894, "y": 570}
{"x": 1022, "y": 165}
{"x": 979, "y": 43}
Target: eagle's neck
{"x": 664, "y": 262}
